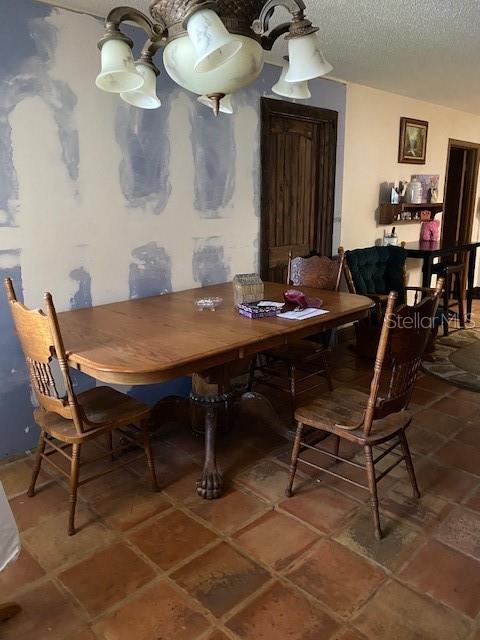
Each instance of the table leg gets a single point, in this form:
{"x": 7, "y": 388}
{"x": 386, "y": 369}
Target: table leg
{"x": 427, "y": 271}
{"x": 472, "y": 259}
{"x": 211, "y": 392}
{"x": 210, "y": 484}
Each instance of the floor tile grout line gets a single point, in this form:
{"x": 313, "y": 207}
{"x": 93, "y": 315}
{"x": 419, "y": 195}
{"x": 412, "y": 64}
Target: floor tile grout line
{"x": 284, "y": 579}
{"x": 208, "y": 633}
{"x": 435, "y": 601}
{"x": 277, "y": 575}
{"x": 330, "y": 534}
{"x": 158, "y": 575}
{"x": 393, "y": 579}
{"x": 462, "y": 551}
{"x": 217, "y": 532}
{"x": 166, "y": 575}
{"x": 421, "y": 592}
{"x": 174, "y": 504}
{"x": 469, "y": 495}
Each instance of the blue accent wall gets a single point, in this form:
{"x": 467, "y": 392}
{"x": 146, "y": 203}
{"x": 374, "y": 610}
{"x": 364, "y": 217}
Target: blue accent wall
{"x": 101, "y": 202}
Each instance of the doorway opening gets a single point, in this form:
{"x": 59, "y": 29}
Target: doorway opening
{"x": 299, "y": 147}
{"x": 460, "y": 191}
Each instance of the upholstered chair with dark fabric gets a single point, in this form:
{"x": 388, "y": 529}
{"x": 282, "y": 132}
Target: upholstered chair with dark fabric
{"x": 374, "y": 272}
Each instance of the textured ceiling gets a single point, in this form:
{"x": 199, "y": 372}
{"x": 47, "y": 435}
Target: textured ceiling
{"x": 426, "y": 49}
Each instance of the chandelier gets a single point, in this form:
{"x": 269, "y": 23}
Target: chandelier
{"x": 212, "y": 48}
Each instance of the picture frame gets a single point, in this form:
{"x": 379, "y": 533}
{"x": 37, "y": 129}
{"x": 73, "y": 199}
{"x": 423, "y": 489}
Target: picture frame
{"x": 412, "y": 147}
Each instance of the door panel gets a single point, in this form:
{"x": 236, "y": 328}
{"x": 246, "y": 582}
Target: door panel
{"x": 298, "y": 182}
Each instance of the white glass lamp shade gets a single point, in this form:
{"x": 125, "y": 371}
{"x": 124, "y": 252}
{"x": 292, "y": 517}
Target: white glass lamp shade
{"x": 214, "y": 45}
{"x": 294, "y": 90}
{"x": 306, "y": 59}
{"x": 225, "y": 103}
{"x": 146, "y": 96}
{"x": 241, "y": 70}
{"x": 118, "y": 72}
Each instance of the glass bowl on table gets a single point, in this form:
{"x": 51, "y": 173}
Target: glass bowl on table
{"x": 208, "y": 304}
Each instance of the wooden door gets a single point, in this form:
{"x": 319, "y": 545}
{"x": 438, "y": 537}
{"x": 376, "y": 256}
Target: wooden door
{"x": 460, "y": 191}
{"x": 460, "y": 195}
{"x": 298, "y": 184}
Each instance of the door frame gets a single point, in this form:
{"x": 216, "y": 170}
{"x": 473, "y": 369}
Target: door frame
{"x": 470, "y": 207}
{"x": 270, "y": 108}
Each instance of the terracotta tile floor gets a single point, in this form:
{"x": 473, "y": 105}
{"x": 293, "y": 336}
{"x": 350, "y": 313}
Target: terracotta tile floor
{"x": 255, "y": 565}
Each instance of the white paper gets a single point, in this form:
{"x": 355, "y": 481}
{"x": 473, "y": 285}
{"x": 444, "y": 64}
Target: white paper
{"x": 267, "y": 303}
{"x": 304, "y": 314}
{"x": 9, "y": 536}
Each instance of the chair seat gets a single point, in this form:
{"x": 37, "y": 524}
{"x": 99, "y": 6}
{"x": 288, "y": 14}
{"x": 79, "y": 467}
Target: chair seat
{"x": 301, "y": 350}
{"x": 103, "y": 406}
{"x": 441, "y": 268}
{"x": 347, "y": 407}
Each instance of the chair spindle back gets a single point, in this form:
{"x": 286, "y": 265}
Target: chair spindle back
{"x": 41, "y": 341}
{"x": 404, "y": 337}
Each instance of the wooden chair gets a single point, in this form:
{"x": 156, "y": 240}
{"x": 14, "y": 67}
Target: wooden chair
{"x": 381, "y": 417}
{"x": 453, "y": 274}
{"x": 291, "y": 369}
{"x": 68, "y": 421}
{"x": 318, "y": 272}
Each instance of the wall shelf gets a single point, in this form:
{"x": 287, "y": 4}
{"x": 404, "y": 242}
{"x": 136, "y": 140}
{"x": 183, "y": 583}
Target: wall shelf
{"x": 389, "y": 213}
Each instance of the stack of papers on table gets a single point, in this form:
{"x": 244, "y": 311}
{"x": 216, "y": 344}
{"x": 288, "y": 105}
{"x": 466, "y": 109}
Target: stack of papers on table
{"x": 269, "y": 303}
{"x": 302, "y": 314}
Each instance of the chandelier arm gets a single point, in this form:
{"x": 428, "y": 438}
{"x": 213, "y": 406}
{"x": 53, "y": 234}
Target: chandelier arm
{"x": 156, "y": 31}
{"x": 269, "y": 40}
{"x": 295, "y": 7}
{"x": 149, "y": 50}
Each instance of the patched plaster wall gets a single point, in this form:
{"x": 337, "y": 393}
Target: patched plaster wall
{"x": 102, "y": 202}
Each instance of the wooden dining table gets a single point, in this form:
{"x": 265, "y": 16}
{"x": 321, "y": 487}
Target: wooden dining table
{"x": 157, "y": 339}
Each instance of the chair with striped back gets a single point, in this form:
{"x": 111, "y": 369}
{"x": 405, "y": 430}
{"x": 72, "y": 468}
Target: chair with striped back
{"x": 378, "y": 421}
{"x": 68, "y": 421}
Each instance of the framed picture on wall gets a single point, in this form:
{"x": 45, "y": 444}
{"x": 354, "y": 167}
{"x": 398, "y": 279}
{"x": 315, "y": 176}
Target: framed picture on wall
{"x": 413, "y": 141}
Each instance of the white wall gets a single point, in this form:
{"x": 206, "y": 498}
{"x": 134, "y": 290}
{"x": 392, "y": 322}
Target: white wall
{"x": 371, "y": 152}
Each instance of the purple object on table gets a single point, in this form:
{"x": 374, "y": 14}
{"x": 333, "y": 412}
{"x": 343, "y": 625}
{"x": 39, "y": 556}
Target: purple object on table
{"x": 252, "y": 310}
{"x": 294, "y": 298}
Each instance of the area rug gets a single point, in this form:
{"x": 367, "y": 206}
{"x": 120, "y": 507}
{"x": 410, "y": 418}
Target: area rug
{"x": 456, "y": 359}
